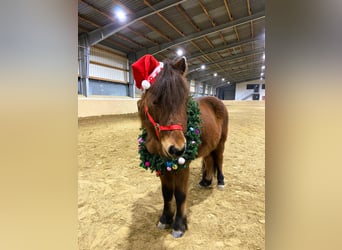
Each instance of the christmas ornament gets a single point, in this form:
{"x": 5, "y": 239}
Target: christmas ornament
{"x": 160, "y": 164}
{"x": 181, "y": 160}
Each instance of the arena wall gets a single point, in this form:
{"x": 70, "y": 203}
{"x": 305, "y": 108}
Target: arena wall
{"x": 242, "y": 93}
{"x": 97, "y": 106}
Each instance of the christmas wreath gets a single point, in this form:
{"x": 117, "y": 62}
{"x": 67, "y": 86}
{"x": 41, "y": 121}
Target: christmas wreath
{"x": 160, "y": 164}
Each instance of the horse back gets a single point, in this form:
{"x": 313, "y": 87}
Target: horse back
{"x": 214, "y": 129}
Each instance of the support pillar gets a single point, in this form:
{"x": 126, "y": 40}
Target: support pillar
{"x": 197, "y": 88}
{"x": 203, "y": 90}
{"x": 131, "y": 85}
{"x": 83, "y": 64}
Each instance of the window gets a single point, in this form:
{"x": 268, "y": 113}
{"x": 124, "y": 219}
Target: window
{"x": 255, "y": 87}
{"x": 250, "y": 86}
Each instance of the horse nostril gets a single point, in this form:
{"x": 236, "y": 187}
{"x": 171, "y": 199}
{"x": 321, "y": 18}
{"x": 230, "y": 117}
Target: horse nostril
{"x": 174, "y": 151}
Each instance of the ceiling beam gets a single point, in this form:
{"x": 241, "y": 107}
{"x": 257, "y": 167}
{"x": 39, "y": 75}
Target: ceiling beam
{"x": 223, "y": 47}
{"x": 159, "y": 48}
{"x": 232, "y": 76}
{"x": 112, "y": 19}
{"x": 252, "y": 52}
{"x": 244, "y": 80}
{"x": 138, "y": 33}
{"x": 110, "y": 41}
{"x": 209, "y": 74}
{"x": 241, "y": 77}
{"x": 231, "y": 18}
{"x": 87, "y": 21}
{"x": 165, "y": 19}
{"x": 207, "y": 13}
{"x": 98, "y": 10}
{"x": 104, "y": 32}
{"x": 187, "y": 17}
{"x": 151, "y": 27}
{"x": 213, "y": 24}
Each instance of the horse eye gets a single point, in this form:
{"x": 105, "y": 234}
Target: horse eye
{"x": 156, "y": 105}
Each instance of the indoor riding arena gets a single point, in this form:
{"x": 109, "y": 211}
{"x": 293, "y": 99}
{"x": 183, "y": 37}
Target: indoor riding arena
{"x": 223, "y": 42}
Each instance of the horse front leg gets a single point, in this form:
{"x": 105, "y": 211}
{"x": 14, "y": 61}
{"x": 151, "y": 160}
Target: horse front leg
{"x": 181, "y": 188}
{"x": 166, "y": 218}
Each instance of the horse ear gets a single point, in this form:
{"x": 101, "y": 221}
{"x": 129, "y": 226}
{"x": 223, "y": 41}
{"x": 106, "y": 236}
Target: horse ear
{"x": 181, "y": 65}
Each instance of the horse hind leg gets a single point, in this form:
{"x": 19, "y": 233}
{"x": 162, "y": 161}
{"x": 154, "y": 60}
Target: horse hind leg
{"x": 211, "y": 165}
{"x": 207, "y": 171}
{"x": 218, "y": 165}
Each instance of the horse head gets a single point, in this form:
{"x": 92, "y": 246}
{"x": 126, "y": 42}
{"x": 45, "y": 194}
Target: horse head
{"x": 162, "y": 110}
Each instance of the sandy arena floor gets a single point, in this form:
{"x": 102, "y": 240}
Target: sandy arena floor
{"x": 119, "y": 203}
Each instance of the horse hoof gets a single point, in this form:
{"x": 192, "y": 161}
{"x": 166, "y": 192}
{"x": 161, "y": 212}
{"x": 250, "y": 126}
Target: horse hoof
{"x": 220, "y": 187}
{"x": 177, "y": 234}
{"x": 205, "y": 184}
{"x": 163, "y": 226}
{"x": 205, "y": 187}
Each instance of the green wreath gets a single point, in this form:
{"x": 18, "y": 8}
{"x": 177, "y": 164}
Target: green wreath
{"x": 160, "y": 164}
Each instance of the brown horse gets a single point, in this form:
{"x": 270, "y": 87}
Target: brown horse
{"x": 165, "y": 102}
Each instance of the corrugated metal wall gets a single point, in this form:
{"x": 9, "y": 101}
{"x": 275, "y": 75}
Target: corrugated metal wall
{"x": 108, "y": 65}
{"x": 192, "y": 86}
{"x": 97, "y": 87}
{"x": 108, "y": 72}
{"x": 206, "y": 90}
{"x": 242, "y": 93}
{"x": 226, "y": 92}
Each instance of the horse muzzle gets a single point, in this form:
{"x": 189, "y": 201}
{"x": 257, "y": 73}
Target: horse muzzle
{"x": 176, "y": 152}
{"x": 175, "y": 145}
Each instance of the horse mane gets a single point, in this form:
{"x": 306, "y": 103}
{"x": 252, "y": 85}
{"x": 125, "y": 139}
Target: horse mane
{"x": 170, "y": 90}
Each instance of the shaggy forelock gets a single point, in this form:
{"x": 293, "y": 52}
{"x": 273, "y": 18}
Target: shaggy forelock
{"x": 170, "y": 90}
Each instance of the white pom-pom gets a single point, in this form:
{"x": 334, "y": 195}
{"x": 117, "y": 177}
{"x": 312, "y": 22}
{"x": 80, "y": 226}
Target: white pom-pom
{"x": 181, "y": 160}
{"x": 145, "y": 84}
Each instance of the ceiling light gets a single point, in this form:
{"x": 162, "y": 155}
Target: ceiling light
{"x": 222, "y": 79}
{"x": 215, "y": 74}
{"x": 263, "y": 57}
{"x": 121, "y": 15}
{"x": 263, "y": 67}
{"x": 262, "y": 73}
{"x": 179, "y": 52}
{"x": 202, "y": 66}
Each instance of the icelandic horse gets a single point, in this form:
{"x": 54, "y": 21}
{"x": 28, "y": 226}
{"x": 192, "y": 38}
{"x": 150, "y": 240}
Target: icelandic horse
{"x": 164, "y": 104}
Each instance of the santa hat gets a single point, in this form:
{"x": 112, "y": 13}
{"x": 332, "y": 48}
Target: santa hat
{"x": 145, "y": 71}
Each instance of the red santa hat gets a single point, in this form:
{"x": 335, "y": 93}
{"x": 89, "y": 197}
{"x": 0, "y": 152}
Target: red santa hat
{"x": 145, "y": 71}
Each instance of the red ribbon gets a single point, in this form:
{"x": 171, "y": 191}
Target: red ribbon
{"x": 159, "y": 127}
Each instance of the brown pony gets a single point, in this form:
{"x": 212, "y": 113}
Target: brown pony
{"x": 166, "y": 102}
